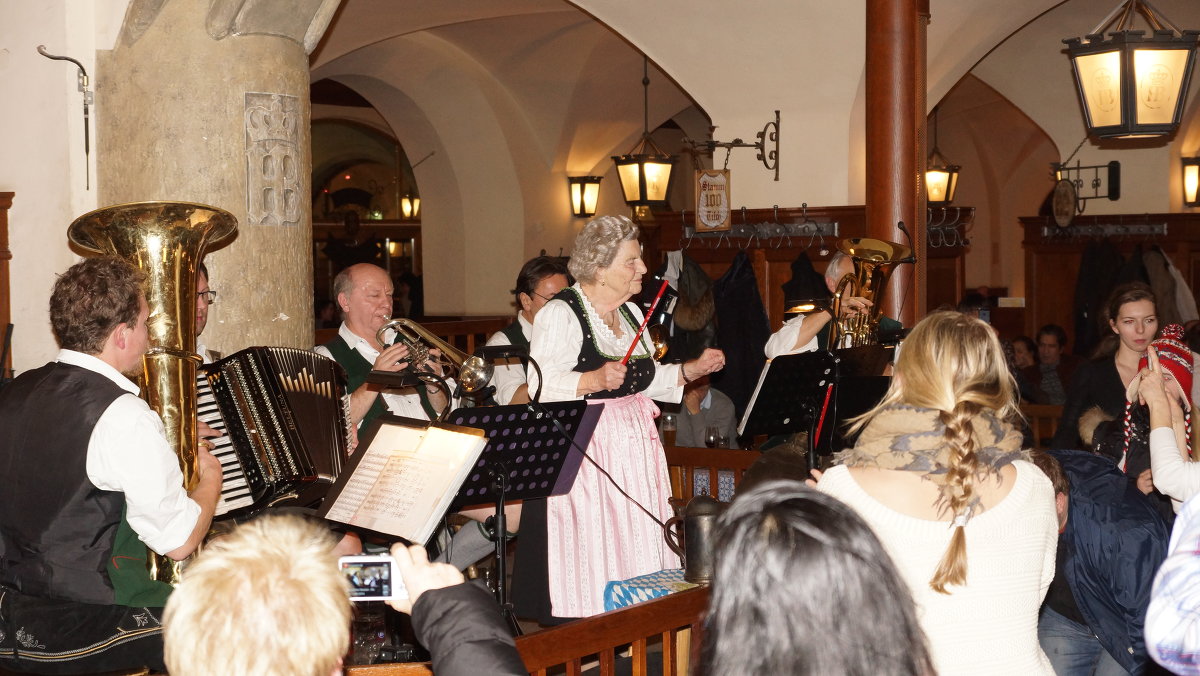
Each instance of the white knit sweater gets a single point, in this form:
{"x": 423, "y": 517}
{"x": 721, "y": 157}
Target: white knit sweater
{"x": 989, "y": 625}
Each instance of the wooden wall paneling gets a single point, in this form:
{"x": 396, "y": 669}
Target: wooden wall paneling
{"x": 1052, "y": 261}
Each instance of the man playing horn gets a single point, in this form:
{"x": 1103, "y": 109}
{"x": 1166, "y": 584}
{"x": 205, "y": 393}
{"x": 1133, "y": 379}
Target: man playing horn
{"x": 91, "y": 484}
{"x": 364, "y": 295}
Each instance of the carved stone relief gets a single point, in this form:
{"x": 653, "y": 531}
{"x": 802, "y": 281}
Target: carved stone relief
{"x": 273, "y": 159}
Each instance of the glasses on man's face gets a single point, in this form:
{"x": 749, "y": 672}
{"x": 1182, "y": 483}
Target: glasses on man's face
{"x": 542, "y": 297}
{"x": 209, "y": 297}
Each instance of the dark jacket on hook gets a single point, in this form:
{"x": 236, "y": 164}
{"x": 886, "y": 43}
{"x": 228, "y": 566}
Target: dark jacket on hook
{"x": 742, "y": 331}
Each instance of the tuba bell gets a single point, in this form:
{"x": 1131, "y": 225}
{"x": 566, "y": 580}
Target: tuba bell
{"x": 474, "y": 372}
{"x": 874, "y": 260}
{"x": 167, "y": 241}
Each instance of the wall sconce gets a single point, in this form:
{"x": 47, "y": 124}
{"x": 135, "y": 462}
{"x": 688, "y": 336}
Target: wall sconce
{"x": 941, "y": 177}
{"x": 1133, "y": 85}
{"x": 584, "y": 191}
{"x": 410, "y": 207}
{"x": 645, "y": 171}
{"x": 1191, "y": 181}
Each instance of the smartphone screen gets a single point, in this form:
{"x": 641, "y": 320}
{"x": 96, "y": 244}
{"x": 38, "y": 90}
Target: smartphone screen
{"x": 371, "y": 578}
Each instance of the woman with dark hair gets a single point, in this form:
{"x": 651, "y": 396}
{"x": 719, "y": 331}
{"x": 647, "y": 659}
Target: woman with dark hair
{"x": 1133, "y": 320}
{"x": 939, "y": 474}
{"x": 608, "y": 527}
{"x": 802, "y": 586}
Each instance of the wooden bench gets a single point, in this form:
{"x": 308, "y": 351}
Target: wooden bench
{"x": 670, "y": 623}
{"x": 1043, "y": 422}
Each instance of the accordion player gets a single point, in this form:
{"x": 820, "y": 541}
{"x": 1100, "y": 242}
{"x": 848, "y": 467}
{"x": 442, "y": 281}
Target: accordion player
{"x": 285, "y": 420}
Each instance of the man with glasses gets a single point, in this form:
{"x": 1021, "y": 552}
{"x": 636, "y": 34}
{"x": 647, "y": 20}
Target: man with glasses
{"x": 540, "y": 279}
{"x": 205, "y": 296}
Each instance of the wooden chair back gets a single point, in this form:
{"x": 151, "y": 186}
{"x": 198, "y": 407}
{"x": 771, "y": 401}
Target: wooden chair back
{"x": 1043, "y": 422}
{"x": 683, "y": 463}
{"x": 667, "y": 626}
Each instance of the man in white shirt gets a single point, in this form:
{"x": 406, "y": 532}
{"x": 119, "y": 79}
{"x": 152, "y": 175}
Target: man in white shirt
{"x": 364, "y": 295}
{"x": 91, "y": 483}
{"x": 540, "y": 279}
{"x": 804, "y": 332}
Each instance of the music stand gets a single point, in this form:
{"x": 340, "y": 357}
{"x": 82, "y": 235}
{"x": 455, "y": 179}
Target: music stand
{"x": 527, "y": 456}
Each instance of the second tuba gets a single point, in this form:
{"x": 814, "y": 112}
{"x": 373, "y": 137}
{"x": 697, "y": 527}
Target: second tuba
{"x": 874, "y": 260}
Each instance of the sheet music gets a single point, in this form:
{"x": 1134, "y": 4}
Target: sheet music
{"x": 405, "y": 480}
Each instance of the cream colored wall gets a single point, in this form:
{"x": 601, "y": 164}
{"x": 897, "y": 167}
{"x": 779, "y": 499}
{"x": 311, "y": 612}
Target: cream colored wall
{"x": 41, "y": 141}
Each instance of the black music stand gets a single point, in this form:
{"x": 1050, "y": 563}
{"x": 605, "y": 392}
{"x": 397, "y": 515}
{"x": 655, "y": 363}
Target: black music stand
{"x": 793, "y": 394}
{"x": 527, "y": 456}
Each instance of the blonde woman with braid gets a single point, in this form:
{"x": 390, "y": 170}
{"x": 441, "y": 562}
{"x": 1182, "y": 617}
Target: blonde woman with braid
{"x": 939, "y": 474}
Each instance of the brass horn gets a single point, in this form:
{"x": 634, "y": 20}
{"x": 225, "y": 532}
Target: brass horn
{"x": 167, "y": 241}
{"x": 874, "y": 260}
{"x": 473, "y": 372}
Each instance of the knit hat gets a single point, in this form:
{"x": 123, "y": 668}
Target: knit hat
{"x": 1176, "y": 361}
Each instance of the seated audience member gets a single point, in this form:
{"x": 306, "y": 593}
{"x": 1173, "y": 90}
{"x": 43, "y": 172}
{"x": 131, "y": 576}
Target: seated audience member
{"x": 939, "y": 473}
{"x": 539, "y": 280}
{"x": 364, "y": 294}
{"x": 265, "y": 599}
{"x": 1025, "y": 352}
{"x": 91, "y": 484}
{"x": 804, "y": 333}
{"x": 703, "y": 407}
{"x": 1050, "y": 378}
{"x": 1111, "y": 542}
{"x": 802, "y": 586}
{"x": 1173, "y": 618}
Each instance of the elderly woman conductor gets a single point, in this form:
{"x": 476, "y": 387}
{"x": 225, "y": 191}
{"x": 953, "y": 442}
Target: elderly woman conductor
{"x": 595, "y": 534}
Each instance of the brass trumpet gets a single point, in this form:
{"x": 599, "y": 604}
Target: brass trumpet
{"x": 473, "y": 372}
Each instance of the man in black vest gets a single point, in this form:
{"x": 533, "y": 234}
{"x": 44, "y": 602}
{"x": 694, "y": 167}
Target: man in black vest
{"x": 540, "y": 279}
{"x": 91, "y": 483}
{"x": 364, "y": 294}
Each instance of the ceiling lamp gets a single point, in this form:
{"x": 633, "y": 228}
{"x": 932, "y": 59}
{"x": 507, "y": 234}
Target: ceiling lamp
{"x": 1132, "y": 84}
{"x": 410, "y": 207}
{"x": 585, "y": 190}
{"x": 1191, "y": 181}
{"x": 645, "y": 171}
{"x": 941, "y": 177}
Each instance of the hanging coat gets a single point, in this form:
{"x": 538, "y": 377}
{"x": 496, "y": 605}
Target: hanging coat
{"x": 742, "y": 331}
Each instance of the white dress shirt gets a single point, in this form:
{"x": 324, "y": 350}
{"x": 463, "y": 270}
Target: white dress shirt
{"x": 783, "y": 341}
{"x": 406, "y": 405}
{"x": 509, "y": 378}
{"x": 128, "y": 452}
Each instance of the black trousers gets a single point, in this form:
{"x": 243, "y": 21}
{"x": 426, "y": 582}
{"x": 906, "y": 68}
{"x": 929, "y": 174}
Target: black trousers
{"x": 51, "y": 636}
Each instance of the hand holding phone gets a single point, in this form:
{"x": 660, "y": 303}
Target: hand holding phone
{"x": 372, "y": 578}
{"x": 419, "y": 575}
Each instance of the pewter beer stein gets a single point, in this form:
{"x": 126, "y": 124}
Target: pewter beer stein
{"x": 696, "y": 541}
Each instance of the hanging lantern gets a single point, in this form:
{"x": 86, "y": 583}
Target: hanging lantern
{"x": 941, "y": 177}
{"x": 645, "y": 171}
{"x": 1133, "y": 85}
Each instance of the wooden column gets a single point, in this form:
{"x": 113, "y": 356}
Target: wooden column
{"x": 6, "y": 199}
{"x": 895, "y": 90}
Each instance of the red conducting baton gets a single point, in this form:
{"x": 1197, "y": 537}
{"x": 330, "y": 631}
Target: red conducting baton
{"x": 645, "y": 320}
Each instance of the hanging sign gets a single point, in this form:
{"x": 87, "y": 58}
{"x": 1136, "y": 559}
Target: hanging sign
{"x": 712, "y": 200}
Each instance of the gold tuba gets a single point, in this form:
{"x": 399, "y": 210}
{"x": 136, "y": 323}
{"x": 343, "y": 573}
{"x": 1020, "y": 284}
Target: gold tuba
{"x": 167, "y": 241}
{"x": 473, "y": 372}
{"x": 874, "y": 260}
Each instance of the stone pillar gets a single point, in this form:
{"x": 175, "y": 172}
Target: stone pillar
{"x": 895, "y": 84}
{"x": 207, "y": 101}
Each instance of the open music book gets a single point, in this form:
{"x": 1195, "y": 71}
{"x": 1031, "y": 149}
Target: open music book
{"x": 403, "y": 477}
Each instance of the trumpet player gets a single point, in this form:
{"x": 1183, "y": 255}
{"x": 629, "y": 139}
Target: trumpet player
{"x": 364, "y": 295}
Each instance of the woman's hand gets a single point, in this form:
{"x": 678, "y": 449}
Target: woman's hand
{"x": 709, "y": 361}
{"x": 609, "y": 377}
{"x": 1145, "y": 482}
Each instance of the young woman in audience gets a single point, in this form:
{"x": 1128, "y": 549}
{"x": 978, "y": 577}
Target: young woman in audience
{"x": 802, "y": 586}
{"x": 939, "y": 474}
{"x": 1133, "y": 319}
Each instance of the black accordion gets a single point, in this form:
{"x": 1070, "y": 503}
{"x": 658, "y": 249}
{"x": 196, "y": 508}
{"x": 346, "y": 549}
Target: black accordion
{"x": 285, "y": 418}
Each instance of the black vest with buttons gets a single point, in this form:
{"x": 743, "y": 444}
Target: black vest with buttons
{"x": 56, "y": 528}
{"x": 640, "y": 367}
